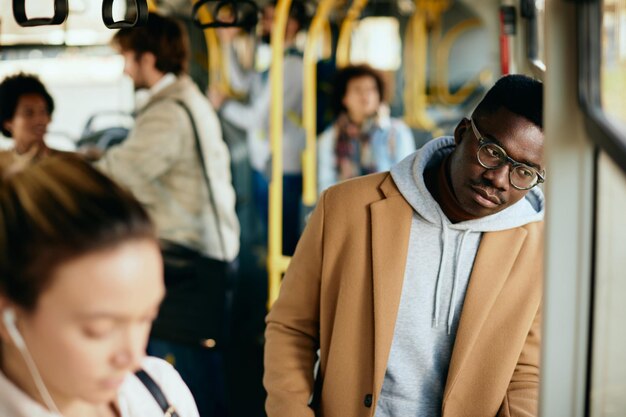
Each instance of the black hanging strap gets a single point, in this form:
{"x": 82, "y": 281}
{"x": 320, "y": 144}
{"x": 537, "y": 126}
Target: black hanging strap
{"x": 206, "y": 176}
{"x": 155, "y": 390}
{"x": 136, "y": 14}
{"x": 61, "y": 10}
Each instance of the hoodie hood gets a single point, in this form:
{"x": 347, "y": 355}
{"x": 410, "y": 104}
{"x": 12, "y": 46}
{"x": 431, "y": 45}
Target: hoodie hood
{"x": 408, "y": 175}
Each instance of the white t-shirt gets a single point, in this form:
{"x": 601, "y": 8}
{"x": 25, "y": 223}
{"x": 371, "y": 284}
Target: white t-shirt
{"x": 134, "y": 399}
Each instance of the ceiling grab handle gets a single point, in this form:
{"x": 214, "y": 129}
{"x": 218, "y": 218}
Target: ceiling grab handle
{"x": 61, "y": 10}
{"x": 136, "y": 14}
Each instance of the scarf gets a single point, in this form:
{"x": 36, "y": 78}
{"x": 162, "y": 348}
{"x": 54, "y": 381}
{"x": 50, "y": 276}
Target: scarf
{"x": 353, "y": 149}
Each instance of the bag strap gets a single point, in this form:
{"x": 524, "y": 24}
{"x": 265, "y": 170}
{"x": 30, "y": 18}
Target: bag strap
{"x": 155, "y": 390}
{"x": 205, "y": 174}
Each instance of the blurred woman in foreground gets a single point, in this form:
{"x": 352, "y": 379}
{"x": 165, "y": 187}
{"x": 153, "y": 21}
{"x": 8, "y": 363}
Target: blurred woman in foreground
{"x": 80, "y": 283}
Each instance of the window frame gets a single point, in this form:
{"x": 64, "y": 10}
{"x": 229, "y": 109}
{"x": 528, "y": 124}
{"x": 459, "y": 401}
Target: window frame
{"x": 602, "y": 132}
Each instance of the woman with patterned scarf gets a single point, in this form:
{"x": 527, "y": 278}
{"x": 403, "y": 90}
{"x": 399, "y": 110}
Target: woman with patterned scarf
{"x": 363, "y": 139}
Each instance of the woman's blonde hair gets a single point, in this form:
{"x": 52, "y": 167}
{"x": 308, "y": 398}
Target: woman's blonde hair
{"x": 53, "y": 210}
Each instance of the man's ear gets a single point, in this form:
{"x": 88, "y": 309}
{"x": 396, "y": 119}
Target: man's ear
{"x": 460, "y": 130}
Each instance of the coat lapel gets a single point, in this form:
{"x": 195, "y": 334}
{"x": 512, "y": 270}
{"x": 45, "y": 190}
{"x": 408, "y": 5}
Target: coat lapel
{"x": 391, "y": 226}
{"x": 494, "y": 261}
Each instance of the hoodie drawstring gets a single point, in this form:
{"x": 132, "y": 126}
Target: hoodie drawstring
{"x": 455, "y": 282}
{"x": 444, "y": 238}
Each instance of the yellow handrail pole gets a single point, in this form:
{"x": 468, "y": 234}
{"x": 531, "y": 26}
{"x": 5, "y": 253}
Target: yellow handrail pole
{"x": 213, "y": 50}
{"x": 152, "y": 7}
{"x": 345, "y": 33}
{"x": 443, "y": 55}
{"x": 309, "y": 102}
{"x": 277, "y": 263}
{"x": 416, "y": 53}
{"x": 327, "y": 49}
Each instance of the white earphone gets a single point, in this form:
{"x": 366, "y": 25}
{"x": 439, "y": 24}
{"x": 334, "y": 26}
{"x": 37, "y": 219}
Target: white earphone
{"x": 8, "y": 316}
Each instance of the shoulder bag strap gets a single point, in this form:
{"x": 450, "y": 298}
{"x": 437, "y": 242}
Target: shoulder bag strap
{"x": 155, "y": 390}
{"x": 206, "y": 176}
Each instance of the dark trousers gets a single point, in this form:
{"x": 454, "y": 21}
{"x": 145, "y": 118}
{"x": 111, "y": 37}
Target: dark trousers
{"x": 202, "y": 370}
{"x": 292, "y": 196}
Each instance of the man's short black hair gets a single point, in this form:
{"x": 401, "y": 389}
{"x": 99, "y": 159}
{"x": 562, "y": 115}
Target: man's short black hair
{"x": 16, "y": 86}
{"x": 517, "y": 93}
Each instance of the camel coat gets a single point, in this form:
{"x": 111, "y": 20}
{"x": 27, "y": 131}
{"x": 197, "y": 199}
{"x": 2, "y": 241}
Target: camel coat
{"x": 341, "y": 295}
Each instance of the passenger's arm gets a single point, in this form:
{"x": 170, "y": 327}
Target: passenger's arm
{"x": 239, "y": 79}
{"x": 150, "y": 149}
{"x": 254, "y": 115}
{"x": 522, "y": 395}
{"x": 292, "y": 333}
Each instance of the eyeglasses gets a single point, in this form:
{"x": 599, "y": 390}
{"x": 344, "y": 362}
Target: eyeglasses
{"x": 492, "y": 156}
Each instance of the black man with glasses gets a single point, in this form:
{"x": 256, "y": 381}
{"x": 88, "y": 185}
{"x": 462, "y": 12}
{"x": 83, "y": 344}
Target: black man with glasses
{"x": 417, "y": 291}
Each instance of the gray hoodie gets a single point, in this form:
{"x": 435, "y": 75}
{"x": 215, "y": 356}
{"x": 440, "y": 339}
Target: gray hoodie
{"x": 439, "y": 262}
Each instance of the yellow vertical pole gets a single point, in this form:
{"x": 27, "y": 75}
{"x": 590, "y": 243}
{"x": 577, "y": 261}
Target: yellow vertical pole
{"x": 276, "y": 262}
{"x": 213, "y": 50}
{"x": 427, "y": 13}
{"x": 345, "y": 33}
{"x": 416, "y": 64}
{"x": 309, "y": 101}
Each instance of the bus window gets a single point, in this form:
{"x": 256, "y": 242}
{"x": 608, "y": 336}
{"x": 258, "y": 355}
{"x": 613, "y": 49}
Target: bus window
{"x": 376, "y": 42}
{"x": 608, "y": 368}
{"x": 84, "y": 25}
{"x": 613, "y": 64}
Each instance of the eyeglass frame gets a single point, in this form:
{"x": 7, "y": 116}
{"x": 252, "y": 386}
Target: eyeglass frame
{"x": 482, "y": 142}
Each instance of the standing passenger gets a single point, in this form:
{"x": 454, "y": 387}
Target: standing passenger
{"x": 194, "y": 215}
{"x": 421, "y": 288}
{"x": 25, "y": 111}
{"x": 254, "y": 118}
{"x": 81, "y": 280}
{"x": 363, "y": 139}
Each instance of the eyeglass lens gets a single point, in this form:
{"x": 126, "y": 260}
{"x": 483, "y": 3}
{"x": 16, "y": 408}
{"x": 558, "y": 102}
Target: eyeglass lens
{"x": 491, "y": 156}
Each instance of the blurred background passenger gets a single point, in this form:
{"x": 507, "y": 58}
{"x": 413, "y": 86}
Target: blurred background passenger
{"x": 81, "y": 280}
{"x": 25, "y": 111}
{"x": 363, "y": 139}
{"x": 177, "y": 165}
{"x": 253, "y": 117}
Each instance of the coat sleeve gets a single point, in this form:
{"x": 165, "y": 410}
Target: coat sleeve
{"x": 151, "y": 148}
{"x": 292, "y": 333}
{"x": 522, "y": 395}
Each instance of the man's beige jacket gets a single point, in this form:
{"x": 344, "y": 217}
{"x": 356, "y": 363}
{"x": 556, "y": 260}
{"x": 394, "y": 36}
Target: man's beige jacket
{"x": 159, "y": 163}
{"x": 341, "y": 295}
